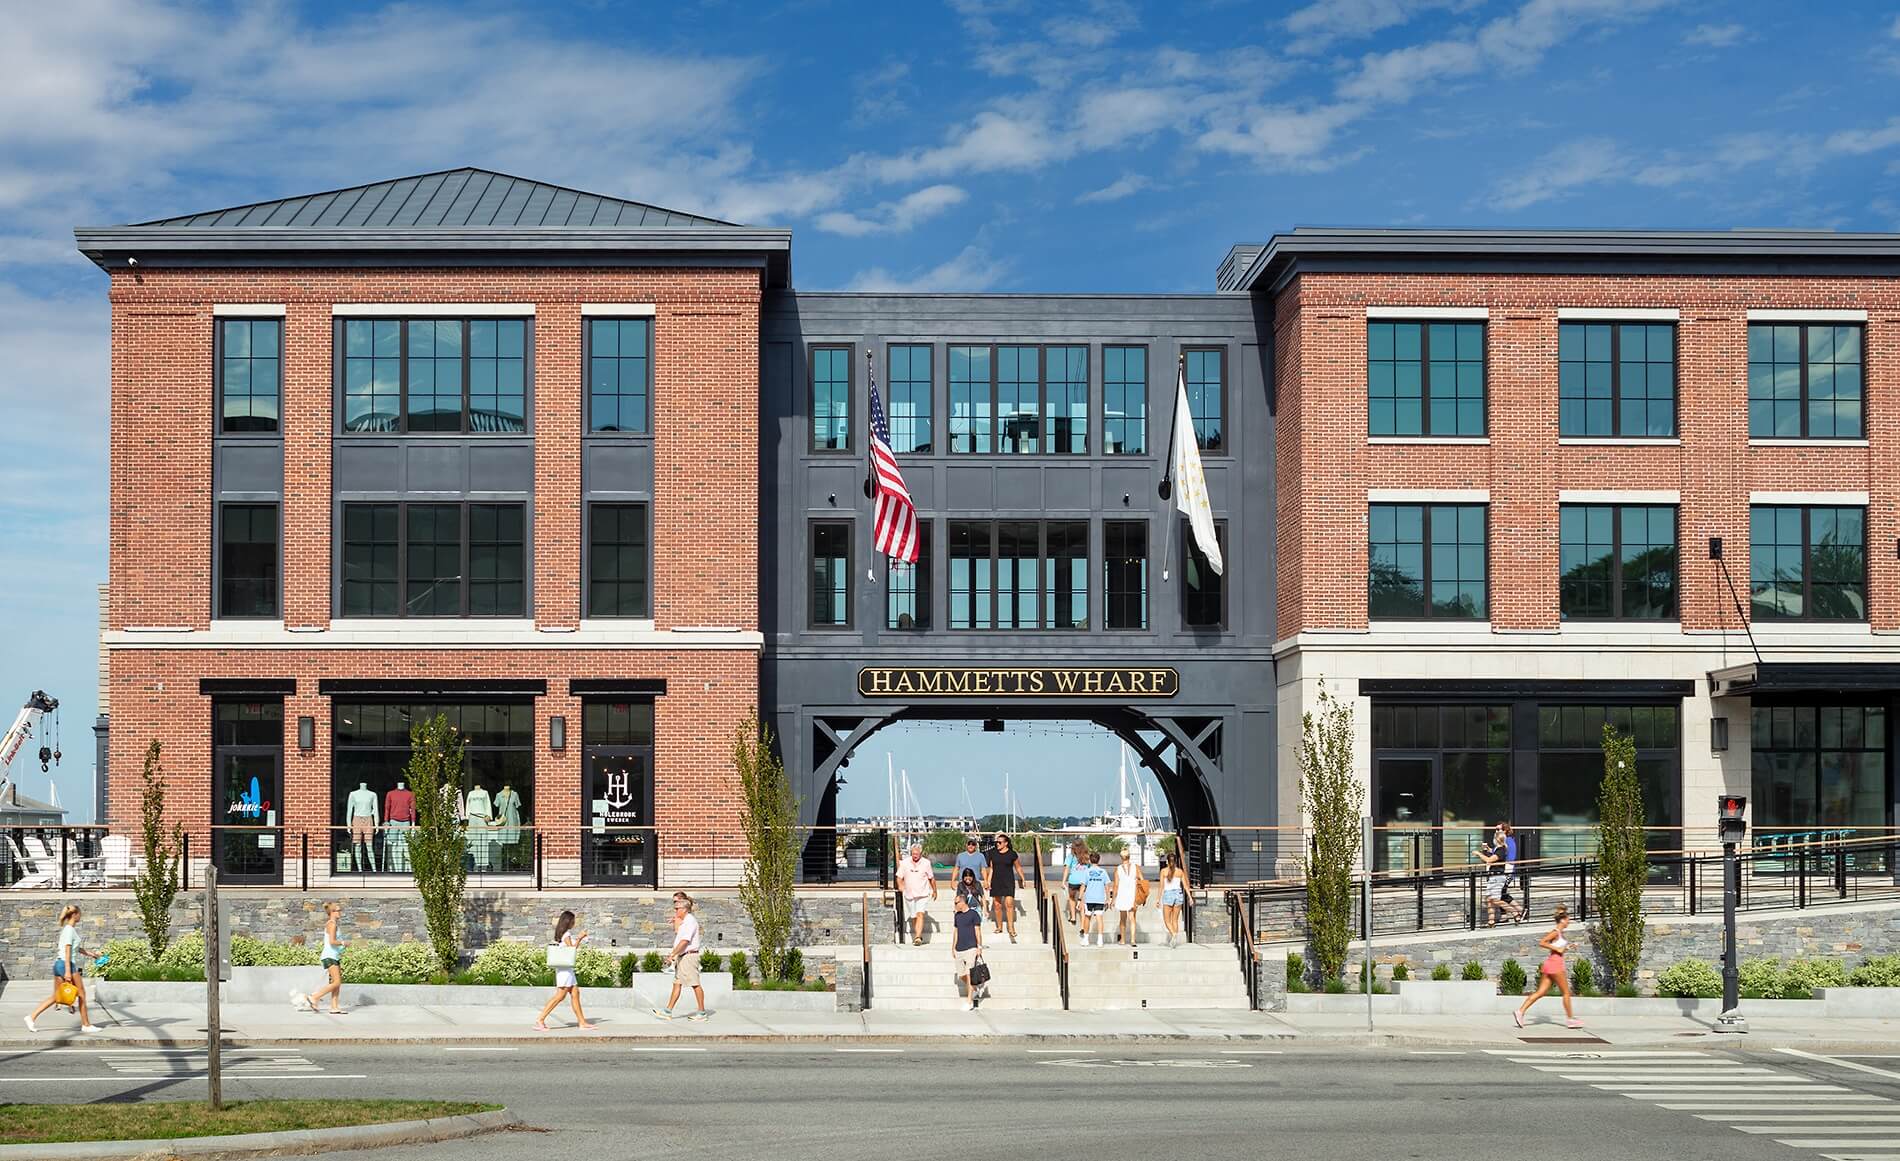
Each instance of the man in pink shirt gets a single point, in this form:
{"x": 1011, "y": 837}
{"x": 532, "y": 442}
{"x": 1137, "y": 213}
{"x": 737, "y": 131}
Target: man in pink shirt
{"x": 917, "y": 879}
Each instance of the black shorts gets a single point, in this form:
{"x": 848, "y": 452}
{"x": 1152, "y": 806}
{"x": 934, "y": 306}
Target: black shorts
{"x": 1003, "y": 891}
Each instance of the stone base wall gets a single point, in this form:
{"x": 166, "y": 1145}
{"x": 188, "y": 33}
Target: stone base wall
{"x": 29, "y": 926}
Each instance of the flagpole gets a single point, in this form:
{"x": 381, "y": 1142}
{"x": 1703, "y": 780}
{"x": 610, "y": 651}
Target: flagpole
{"x": 1166, "y": 487}
{"x": 870, "y": 465}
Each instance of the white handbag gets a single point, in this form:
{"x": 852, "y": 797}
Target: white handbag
{"x": 562, "y": 955}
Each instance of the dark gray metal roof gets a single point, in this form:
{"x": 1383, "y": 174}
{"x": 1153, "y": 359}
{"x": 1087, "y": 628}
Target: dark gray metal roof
{"x": 465, "y": 198}
{"x": 1337, "y": 248}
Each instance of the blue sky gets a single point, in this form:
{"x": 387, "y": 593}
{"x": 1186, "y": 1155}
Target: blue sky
{"x": 973, "y": 145}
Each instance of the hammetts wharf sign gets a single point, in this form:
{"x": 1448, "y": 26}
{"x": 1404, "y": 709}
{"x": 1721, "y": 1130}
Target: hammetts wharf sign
{"x": 1006, "y": 682}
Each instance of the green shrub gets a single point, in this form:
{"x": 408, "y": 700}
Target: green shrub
{"x": 1474, "y": 970}
{"x": 792, "y": 965}
{"x": 652, "y": 961}
{"x": 1336, "y": 986}
{"x": 1295, "y": 968}
{"x": 125, "y": 957}
{"x": 249, "y": 952}
{"x": 187, "y": 951}
{"x": 410, "y": 962}
{"x": 1817, "y": 973}
{"x": 624, "y": 972}
{"x": 510, "y": 962}
{"x": 1583, "y": 978}
{"x": 1627, "y": 992}
{"x": 1378, "y": 985}
{"x": 1441, "y": 972}
{"x": 1761, "y": 978}
{"x": 1511, "y": 978}
{"x": 1877, "y": 971}
{"x": 783, "y": 986}
{"x": 736, "y": 962}
{"x": 594, "y": 968}
{"x": 710, "y": 961}
{"x": 1690, "y": 979}
{"x": 1401, "y": 973}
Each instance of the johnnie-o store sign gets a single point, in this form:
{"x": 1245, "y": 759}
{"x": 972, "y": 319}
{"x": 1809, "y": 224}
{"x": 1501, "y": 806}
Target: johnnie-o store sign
{"x": 988, "y": 681}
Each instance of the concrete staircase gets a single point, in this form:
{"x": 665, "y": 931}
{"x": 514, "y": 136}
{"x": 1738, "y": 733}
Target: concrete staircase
{"x": 1152, "y": 974}
{"x": 925, "y": 978}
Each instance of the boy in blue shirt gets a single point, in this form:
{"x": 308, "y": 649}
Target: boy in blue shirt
{"x": 1094, "y": 898}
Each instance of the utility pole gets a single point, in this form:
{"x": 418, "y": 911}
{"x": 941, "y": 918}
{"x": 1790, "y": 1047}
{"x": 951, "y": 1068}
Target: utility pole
{"x": 1365, "y": 904}
{"x": 214, "y": 1036}
{"x": 1731, "y": 826}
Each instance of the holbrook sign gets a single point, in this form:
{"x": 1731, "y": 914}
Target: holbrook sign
{"x": 989, "y": 681}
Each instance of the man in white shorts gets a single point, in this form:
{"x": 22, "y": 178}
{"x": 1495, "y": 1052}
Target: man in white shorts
{"x": 684, "y": 958}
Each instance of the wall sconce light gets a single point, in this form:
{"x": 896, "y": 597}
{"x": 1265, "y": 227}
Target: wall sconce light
{"x": 557, "y": 732}
{"x": 1718, "y": 734}
{"x": 306, "y": 733}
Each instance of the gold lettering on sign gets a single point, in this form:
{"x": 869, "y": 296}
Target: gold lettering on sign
{"x": 1107, "y": 681}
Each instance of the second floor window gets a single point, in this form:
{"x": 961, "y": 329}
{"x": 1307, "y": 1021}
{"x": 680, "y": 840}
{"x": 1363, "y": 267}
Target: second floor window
{"x": 830, "y": 574}
{"x": 247, "y": 560}
{"x": 831, "y": 399}
{"x": 619, "y": 374}
{"x": 435, "y": 375}
{"x": 1807, "y": 564}
{"x": 1207, "y": 396}
{"x": 908, "y": 396}
{"x": 1427, "y": 560}
{"x": 1425, "y": 379}
{"x": 1018, "y": 399}
{"x": 618, "y": 564}
{"x": 1124, "y": 401}
{"x": 1019, "y": 574}
{"x": 434, "y": 560}
{"x": 1616, "y": 379}
{"x": 907, "y": 595}
{"x": 1804, "y": 381}
{"x": 250, "y": 374}
{"x": 1203, "y": 591}
{"x": 1618, "y": 562}
{"x": 1125, "y": 574}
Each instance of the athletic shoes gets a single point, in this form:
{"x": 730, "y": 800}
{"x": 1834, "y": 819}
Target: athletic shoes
{"x": 1519, "y": 1017}
{"x": 95, "y": 1027}
{"x": 698, "y": 1017}
{"x": 663, "y": 1013}
{"x": 31, "y": 1026}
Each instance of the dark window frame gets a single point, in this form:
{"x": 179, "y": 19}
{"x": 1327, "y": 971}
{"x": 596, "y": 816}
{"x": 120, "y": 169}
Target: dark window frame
{"x": 1616, "y": 378}
{"x": 929, "y": 417}
{"x": 1807, "y": 567}
{"x": 1110, "y": 594}
{"x": 238, "y": 837}
{"x": 1616, "y": 566}
{"x": 1125, "y": 384}
{"x": 1045, "y": 606}
{"x": 1226, "y": 418}
{"x": 220, "y": 420}
{"x": 587, "y": 561}
{"x": 811, "y": 398}
{"x": 1044, "y": 436}
{"x": 919, "y": 587}
{"x": 1188, "y": 551}
{"x": 1425, "y": 564}
{"x": 340, "y": 372}
{"x": 218, "y": 542}
{"x": 1802, "y": 406}
{"x": 402, "y": 560}
{"x": 850, "y": 581}
{"x": 587, "y": 366}
{"x": 1425, "y": 376}
{"x": 1817, "y": 704}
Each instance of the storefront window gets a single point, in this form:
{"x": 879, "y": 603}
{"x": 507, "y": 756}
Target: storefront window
{"x": 1570, "y": 773}
{"x": 373, "y": 806}
{"x": 247, "y": 789}
{"x": 617, "y": 806}
{"x": 1818, "y": 767}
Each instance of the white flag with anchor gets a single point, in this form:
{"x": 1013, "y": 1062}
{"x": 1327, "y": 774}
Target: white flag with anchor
{"x": 1190, "y": 486}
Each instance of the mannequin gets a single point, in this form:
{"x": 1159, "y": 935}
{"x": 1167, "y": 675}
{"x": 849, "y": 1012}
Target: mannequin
{"x": 478, "y": 814}
{"x": 508, "y": 810}
{"x": 399, "y": 814}
{"x": 360, "y": 811}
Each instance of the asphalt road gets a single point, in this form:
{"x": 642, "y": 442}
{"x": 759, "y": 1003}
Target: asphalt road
{"x": 837, "y": 1104}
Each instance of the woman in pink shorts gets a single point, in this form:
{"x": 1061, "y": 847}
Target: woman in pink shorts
{"x": 1553, "y": 971}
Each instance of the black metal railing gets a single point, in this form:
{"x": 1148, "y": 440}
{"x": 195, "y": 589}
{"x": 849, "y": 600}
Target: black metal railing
{"x": 897, "y": 912}
{"x": 1042, "y": 891}
{"x": 1240, "y": 930}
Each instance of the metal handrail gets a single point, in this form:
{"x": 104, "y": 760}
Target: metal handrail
{"x": 1042, "y": 912}
{"x": 1241, "y": 930}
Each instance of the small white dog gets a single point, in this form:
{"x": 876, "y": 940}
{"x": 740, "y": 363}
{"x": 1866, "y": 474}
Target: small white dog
{"x": 300, "y": 1002}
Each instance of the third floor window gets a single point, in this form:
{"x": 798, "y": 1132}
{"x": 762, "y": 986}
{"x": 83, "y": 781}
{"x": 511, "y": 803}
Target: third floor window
{"x": 1616, "y": 379}
{"x": 1124, "y": 400}
{"x": 1425, "y": 379}
{"x": 1017, "y": 399}
{"x": 830, "y": 399}
{"x": 1804, "y": 381}
{"x": 250, "y": 374}
{"x": 908, "y": 398}
{"x": 619, "y": 374}
{"x": 435, "y": 375}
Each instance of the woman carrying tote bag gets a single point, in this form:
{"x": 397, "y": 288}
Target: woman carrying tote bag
{"x": 563, "y": 954}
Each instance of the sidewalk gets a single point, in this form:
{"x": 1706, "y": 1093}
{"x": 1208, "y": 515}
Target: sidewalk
{"x": 257, "y": 1024}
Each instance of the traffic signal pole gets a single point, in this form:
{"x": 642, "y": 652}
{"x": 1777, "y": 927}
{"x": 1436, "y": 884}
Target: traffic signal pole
{"x": 1731, "y": 826}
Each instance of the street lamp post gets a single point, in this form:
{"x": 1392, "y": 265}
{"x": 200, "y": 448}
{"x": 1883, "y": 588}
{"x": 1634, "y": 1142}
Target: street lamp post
{"x": 1731, "y": 826}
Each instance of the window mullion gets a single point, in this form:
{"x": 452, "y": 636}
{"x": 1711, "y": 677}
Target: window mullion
{"x": 467, "y": 422}
{"x": 1616, "y": 391}
{"x": 1424, "y": 392}
{"x": 402, "y": 373}
{"x": 1805, "y": 433}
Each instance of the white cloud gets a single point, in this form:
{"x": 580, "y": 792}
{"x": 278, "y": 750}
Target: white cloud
{"x": 1127, "y": 185}
{"x": 1862, "y": 141}
{"x": 883, "y": 94}
{"x": 1588, "y": 161}
{"x": 1716, "y": 35}
{"x": 1315, "y": 27}
{"x": 1281, "y": 135}
{"x": 895, "y": 217}
{"x": 994, "y": 140}
{"x": 972, "y": 269}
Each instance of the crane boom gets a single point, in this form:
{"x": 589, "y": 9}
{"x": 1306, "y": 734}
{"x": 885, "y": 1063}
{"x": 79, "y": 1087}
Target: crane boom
{"x": 37, "y": 706}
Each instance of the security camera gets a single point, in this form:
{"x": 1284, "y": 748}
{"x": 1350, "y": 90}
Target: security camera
{"x": 131, "y": 261}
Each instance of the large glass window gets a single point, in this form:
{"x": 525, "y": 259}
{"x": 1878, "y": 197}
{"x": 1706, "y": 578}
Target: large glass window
{"x": 1019, "y": 399}
{"x": 434, "y": 560}
{"x": 1018, "y": 574}
{"x": 830, "y": 574}
{"x": 972, "y": 400}
{"x": 250, "y": 374}
{"x": 1804, "y": 381}
{"x": 1206, "y": 372}
{"x": 619, "y": 847}
{"x": 1124, "y": 401}
{"x": 1425, "y": 379}
{"x": 1616, "y": 379}
{"x": 907, "y": 593}
{"x": 1428, "y": 560}
{"x": 1618, "y": 562}
{"x": 1125, "y": 573}
{"x": 830, "y": 399}
{"x": 1203, "y": 591}
{"x": 1807, "y": 564}
{"x": 909, "y": 387}
{"x": 618, "y": 565}
{"x": 247, "y": 560}
{"x": 247, "y": 790}
{"x": 1018, "y": 411}
{"x": 1819, "y": 766}
{"x": 619, "y": 374}
{"x": 1570, "y": 772}
{"x": 1441, "y": 779}
{"x": 1066, "y": 399}
{"x": 435, "y": 375}
{"x": 373, "y": 807}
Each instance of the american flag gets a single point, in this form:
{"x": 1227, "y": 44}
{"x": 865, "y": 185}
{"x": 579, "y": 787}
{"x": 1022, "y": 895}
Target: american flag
{"x": 894, "y": 523}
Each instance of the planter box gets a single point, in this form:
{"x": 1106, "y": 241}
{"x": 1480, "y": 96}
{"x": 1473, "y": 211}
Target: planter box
{"x": 1445, "y": 997}
{"x": 1852, "y": 1001}
{"x": 273, "y": 986}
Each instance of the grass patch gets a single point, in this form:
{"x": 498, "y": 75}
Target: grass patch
{"x": 165, "y": 1120}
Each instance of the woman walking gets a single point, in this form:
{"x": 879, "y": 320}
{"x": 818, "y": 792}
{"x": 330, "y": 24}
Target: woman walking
{"x": 1131, "y": 888}
{"x": 566, "y": 984}
{"x": 971, "y": 891}
{"x": 1173, "y": 894}
{"x": 332, "y": 960}
{"x": 1077, "y": 866}
{"x": 66, "y": 970}
{"x": 1553, "y": 971}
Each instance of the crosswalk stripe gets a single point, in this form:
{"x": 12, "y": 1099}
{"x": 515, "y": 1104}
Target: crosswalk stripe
{"x": 1826, "y": 1127}
{"x": 1697, "y": 1077}
{"x": 1837, "y": 1142}
{"x": 1836, "y": 1114}
{"x": 1817, "y": 1101}
{"x": 1699, "y": 1090}
{"x": 1521, "y": 1055}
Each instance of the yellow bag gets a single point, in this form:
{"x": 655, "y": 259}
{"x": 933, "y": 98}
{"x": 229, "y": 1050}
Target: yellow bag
{"x": 66, "y": 993}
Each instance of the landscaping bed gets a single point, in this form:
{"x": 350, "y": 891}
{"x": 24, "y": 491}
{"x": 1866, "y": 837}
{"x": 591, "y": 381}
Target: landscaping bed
{"x": 167, "y": 1120}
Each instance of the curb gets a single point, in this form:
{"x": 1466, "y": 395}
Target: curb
{"x": 231, "y": 1042}
{"x": 293, "y": 1143}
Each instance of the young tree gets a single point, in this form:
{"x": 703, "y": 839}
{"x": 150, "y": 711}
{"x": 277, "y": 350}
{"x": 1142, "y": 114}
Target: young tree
{"x": 438, "y": 844}
{"x": 1332, "y": 798}
{"x": 157, "y": 882}
{"x": 770, "y": 819}
{"x": 1622, "y": 861}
